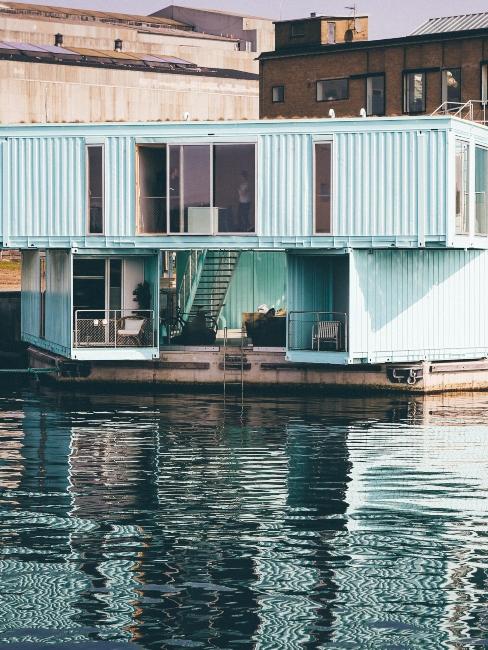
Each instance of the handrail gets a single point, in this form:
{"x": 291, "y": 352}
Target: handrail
{"x": 316, "y": 317}
{"x": 189, "y": 282}
{"x": 465, "y": 110}
{"x": 107, "y": 328}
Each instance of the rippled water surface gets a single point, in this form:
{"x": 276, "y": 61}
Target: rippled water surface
{"x": 181, "y": 521}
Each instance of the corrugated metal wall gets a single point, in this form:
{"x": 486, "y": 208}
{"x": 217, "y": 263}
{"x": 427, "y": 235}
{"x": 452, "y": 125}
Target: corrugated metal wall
{"x": 310, "y": 289}
{"x": 387, "y": 181}
{"x": 260, "y": 278}
{"x": 45, "y": 187}
{"x": 285, "y": 187}
{"x": 379, "y": 177}
{"x": 407, "y": 305}
{"x": 120, "y": 187}
{"x": 30, "y": 298}
{"x": 58, "y": 300}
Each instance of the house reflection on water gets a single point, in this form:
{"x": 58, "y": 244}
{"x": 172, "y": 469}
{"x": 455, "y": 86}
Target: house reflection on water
{"x": 281, "y": 524}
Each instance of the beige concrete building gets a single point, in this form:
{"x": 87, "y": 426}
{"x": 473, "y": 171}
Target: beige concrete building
{"x": 70, "y": 65}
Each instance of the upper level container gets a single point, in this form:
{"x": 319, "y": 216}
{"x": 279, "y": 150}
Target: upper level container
{"x": 330, "y": 183}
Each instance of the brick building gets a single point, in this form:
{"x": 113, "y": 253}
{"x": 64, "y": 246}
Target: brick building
{"x": 322, "y": 63}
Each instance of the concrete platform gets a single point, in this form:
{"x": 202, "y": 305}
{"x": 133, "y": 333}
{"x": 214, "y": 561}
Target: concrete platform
{"x": 203, "y": 367}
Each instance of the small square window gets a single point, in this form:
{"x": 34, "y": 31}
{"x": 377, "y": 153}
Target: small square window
{"x": 329, "y": 90}
{"x": 297, "y": 29}
{"x": 278, "y": 94}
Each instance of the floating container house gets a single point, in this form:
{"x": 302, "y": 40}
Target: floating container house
{"x": 371, "y": 235}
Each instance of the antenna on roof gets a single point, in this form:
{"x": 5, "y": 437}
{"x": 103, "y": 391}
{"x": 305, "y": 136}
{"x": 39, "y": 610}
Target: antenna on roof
{"x": 354, "y": 9}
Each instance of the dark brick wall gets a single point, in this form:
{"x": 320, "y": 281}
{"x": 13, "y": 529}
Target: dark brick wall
{"x": 299, "y": 75}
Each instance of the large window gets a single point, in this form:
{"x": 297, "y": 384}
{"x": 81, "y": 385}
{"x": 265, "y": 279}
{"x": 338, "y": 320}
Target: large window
{"x": 196, "y": 189}
{"x": 189, "y": 181}
{"x": 414, "y": 92}
{"x": 332, "y": 89}
{"x": 234, "y": 187}
{"x": 481, "y": 190}
{"x": 375, "y": 94}
{"x": 451, "y": 86}
{"x": 95, "y": 189}
{"x": 323, "y": 185}
{"x": 462, "y": 188}
{"x": 152, "y": 189}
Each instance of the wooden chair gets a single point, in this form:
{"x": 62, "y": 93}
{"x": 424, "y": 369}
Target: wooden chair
{"x": 326, "y": 331}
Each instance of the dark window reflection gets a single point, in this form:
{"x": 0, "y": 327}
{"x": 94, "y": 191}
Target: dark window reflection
{"x": 95, "y": 189}
{"x": 234, "y": 169}
{"x": 152, "y": 189}
{"x": 322, "y": 187}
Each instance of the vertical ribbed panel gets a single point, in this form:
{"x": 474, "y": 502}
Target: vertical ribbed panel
{"x": 410, "y": 304}
{"x": 285, "y": 188}
{"x": 46, "y": 187}
{"x": 120, "y": 187}
{"x": 377, "y": 182}
{"x": 310, "y": 283}
{"x": 58, "y": 299}
{"x": 385, "y": 182}
{"x": 259, "y": 278}
{"x": 30, "y": 296}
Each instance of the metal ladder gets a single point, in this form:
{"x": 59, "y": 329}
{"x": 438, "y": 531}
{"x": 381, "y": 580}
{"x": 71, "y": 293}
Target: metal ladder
{"x": 234, "y": 362}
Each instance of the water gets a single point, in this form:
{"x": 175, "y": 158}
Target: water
{"x": 171, "y": 521}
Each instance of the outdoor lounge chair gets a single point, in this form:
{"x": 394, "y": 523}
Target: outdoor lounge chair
{"x": 326, "y": 331}
{"x": 132, "y": 331}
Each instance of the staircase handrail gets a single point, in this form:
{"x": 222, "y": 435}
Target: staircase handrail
{"x": 190, "y": 280}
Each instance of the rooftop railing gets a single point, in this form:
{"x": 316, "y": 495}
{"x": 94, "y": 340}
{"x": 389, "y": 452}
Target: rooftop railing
{"x": 474, "y": 110}
{"x": 114, "y": 328}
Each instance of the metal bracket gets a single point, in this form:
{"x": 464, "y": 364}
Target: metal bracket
{"x": 405, "y": 374}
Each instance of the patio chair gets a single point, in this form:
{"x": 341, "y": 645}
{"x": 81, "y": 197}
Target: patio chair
{"x": 131, "y": 331}
{"x": 326, "y": 331}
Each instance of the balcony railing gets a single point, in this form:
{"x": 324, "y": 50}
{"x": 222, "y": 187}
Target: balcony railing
{"x": 114, "y": 328}
{"x": 474, "y": 110}
{"x": 319, "y": 331}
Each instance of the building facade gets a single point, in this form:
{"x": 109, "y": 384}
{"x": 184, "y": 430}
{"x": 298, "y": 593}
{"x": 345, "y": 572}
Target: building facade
{"x": 71, "y": 65}
{"x": 440, "y": 67}
{"x": 376, "y": 232}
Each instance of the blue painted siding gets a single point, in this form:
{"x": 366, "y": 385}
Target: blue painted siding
{"x": 58, "y": 299}
{"x": 411, "y": 305}
{"x": 30, "y": 296}
{"x": 392, "y": 182}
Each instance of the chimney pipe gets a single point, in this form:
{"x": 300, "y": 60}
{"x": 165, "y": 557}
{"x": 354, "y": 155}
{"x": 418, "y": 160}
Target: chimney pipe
{"x": 58, "y": 40}
{"x": 118, "y": 45}
{"x": 313, "y": 15}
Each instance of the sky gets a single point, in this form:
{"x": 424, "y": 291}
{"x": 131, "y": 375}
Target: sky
{"x": 387, "y": 18}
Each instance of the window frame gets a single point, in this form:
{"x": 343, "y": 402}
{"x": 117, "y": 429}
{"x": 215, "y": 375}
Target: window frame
{"x": 342, "y": 99}
{"x": 156, "y": 145}
{"x": 484, "y": 81}
{"x": 88, "y": 146}
{"x": 278, "y": 101}
{"x": 466, "y": 200}
{"x": 476, "y": 233}
{"x": 296, "y": 25}
{"x": 330, "y": 141}
{"x": 444, "y": 90}
{"x": 211, "y": 144}
{"x": 406, "y": 74}
{"x": 367, "y": 78}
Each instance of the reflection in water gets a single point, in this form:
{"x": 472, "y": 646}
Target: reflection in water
{"x": 168, "y": 521}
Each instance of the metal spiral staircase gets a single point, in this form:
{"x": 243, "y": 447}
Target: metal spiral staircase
{"x": 206, "y": 281}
